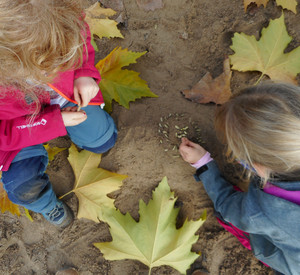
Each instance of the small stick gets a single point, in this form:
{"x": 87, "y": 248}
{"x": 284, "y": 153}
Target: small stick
{"x": 78, "y": 108}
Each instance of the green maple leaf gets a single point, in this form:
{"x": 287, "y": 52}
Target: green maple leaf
{"x": 154, "y": 240}
{"x": 121, "y": 85}
{"x": 267, "y": 55}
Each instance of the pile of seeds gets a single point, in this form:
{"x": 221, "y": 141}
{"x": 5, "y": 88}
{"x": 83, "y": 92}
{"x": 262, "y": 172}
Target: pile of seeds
{"x": 173, "y": 127}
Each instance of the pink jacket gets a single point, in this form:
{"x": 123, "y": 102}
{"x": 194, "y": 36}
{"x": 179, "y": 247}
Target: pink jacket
{"x": 16, "y": 129}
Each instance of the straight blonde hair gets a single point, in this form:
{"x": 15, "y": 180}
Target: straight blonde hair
{"x": 38, "y": 39}
{"x": 261, "y": 125}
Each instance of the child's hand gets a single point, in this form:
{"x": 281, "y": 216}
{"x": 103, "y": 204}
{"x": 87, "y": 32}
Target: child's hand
{"x": 85, "y": 89}
{"x": 190, "y": 151}
{"x": 71, "y": 117}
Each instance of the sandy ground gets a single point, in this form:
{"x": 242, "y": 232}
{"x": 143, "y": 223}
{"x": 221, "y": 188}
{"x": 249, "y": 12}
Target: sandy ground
{"x": 184, "y": 40}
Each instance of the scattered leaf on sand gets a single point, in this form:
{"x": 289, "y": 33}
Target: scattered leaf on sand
{"x": 288, "y": 4}
{"x": 257, "y": 2}
{"x": 92, "y": 184}
{"x": 150, "y": 5}
{"x": 100, "y": 25}
{"x": 285, "y": 4}
{"x": 154, "y": 240}
{"x": 267, "y": 55}
{"x": 121, "y": 85}
{"x": 212, "y": 90}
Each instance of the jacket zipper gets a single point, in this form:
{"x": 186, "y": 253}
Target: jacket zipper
{"x": 69, "y": 99}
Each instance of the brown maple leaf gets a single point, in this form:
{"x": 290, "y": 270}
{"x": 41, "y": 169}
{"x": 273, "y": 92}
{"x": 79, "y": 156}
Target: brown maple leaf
{"x": 212, "y": 90}
{"x": 257, "y": 2}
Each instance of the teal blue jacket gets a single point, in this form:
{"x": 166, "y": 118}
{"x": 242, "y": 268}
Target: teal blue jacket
{"x": 273, "y": 223}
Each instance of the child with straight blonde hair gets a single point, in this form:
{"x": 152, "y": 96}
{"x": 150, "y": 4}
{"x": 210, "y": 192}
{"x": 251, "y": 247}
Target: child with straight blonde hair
{"x": 46, "y": 73}
{"x": 261, "y": 127}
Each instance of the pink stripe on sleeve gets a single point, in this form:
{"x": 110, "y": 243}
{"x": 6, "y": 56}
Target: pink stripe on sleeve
{"x": 204, "y": 160}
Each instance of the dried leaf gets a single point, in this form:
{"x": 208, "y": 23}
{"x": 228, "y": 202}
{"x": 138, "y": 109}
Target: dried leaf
{"x": 257, "y": 2}
{"x": 53, "y": 151}
{"x": 102, "y": 27}
{"x": 154, "y": 240}
{"x": 92, "y": 184}
{"x": 285, "y": 4}
{"x": 267, "y": 55}
{"x": 150, "y": 5}
{"x": 212, "y": 90}
{"x": 121, "y": 85}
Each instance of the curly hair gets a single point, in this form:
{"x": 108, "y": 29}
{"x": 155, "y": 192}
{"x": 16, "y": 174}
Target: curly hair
{"x": 39, "y": 38}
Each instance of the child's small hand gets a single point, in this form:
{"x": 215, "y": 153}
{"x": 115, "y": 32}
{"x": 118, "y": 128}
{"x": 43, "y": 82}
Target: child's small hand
{"x": 85, "y": 89}
{"x": 71, "y": 117}
{"x": 190, "y": 151}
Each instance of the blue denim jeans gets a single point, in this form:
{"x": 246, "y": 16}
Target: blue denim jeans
{"x": 26, "y": 182}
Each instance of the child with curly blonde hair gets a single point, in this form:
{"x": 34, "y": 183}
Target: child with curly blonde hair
{"x": 261, "y": 127}
{"x": 46, "y": 72}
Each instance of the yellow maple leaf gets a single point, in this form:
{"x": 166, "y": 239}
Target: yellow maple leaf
{"x": 92, "y": 184}
{"x": 121, "y": 85}
{"x": 154, "y": 240}
{"x": 267, "y": 55}
{"x": 6, "y": 204}
{"x": 212, "y": 90}
{"x": 285, "y": 4}
{"x": 102, "y": 27}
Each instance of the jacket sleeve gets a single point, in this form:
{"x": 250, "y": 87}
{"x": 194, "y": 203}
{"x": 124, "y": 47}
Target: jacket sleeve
{"x": 231, "y": 204}
{"x": 88, "y": 67}
{"x": 20, "y": 132}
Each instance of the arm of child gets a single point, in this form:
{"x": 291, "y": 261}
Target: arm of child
{"x": 87, "y": 68}
{"x": 227, "y": 201}
{"x": 85, "y": 89}
{"x": 20, "y": 132}
{"x": 192, "y": 152}
{"x": 87, "y": 76}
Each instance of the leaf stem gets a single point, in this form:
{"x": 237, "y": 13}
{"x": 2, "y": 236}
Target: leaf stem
{"x": 66, "y": 194}
{"x": 259, "y": 79}
{"x": 149, "y": 273}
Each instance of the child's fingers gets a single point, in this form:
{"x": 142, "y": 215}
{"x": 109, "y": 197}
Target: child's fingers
{"x": 77, "y": 96}
{"x": 73, "y": 118}
{"x": 70, "y": 109}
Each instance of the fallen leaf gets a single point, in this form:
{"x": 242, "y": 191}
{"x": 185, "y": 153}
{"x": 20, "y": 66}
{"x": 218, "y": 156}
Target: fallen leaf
{"x": 52, "y": 151}
{"x": 285, "y": 4}
{"x": 288, "y": 4}
{"x": 27, "y": 214}
{"x": 92, "y": 184}
{"x": 150, "y": 5}
{"x": 267, "y": 55}
{"x": 257, "y": 2}
{"x": 6, "y": 204}
{"x": 154, "y": 240}
{"x": 100, "y": 25}
{"x": 121, "y": 85}
{"x": 212, "y": 90}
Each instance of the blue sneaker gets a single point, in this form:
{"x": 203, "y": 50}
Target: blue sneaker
{"x": 61, "y": 215}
